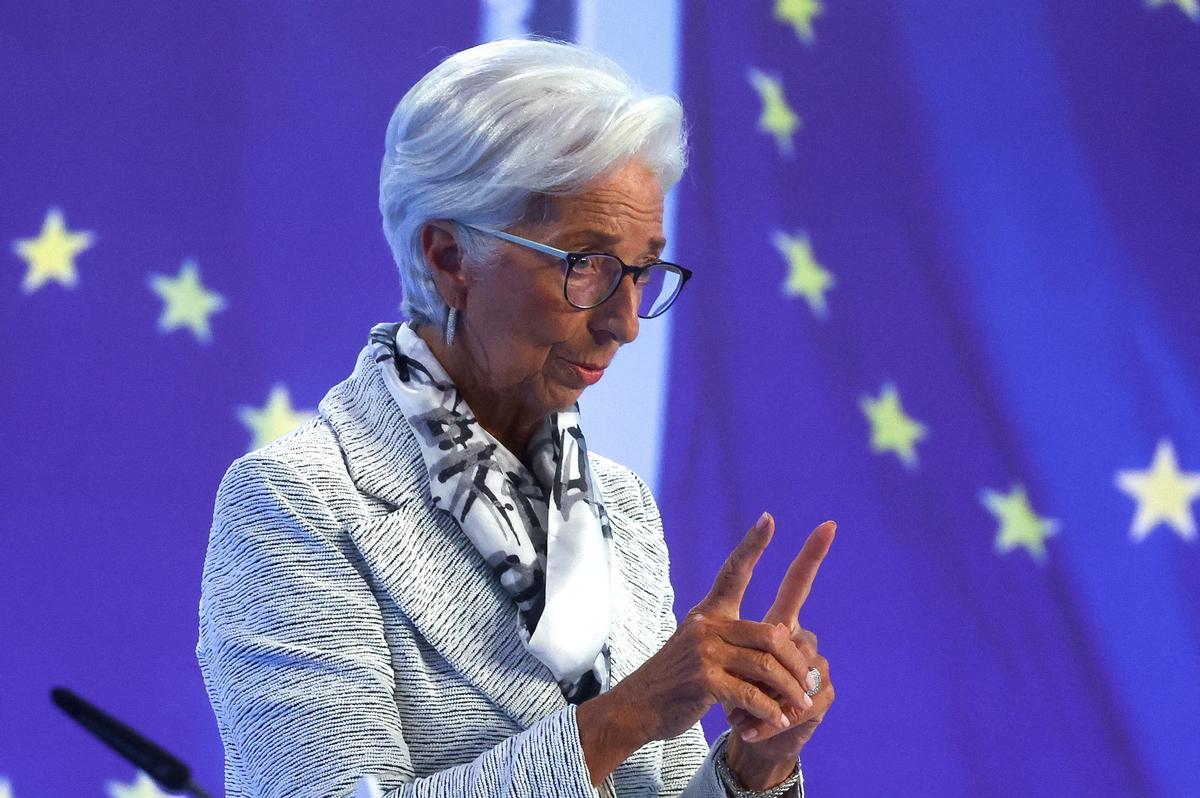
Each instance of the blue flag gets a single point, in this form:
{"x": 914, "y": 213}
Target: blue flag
{"x": 947, "y": 295}
{"x": 192, "y": 257}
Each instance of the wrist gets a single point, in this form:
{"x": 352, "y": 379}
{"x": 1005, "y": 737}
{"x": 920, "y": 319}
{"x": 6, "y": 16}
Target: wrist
{"x": 754, "y": 770}
{"x": 609, "y": 731}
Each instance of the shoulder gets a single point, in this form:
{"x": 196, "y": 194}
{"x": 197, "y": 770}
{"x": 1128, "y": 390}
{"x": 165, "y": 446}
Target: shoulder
{"x": 637, "y": 532}
{"x": 637, "y": 525}
{"x": 303, "y": 472}
{"x": 623, "y": 490}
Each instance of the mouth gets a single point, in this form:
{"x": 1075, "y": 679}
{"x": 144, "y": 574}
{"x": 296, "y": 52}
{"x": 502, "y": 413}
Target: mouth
{"x": 588, "y": 373}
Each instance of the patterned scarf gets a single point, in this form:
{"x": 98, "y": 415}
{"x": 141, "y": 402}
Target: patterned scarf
{"x": 545, "y": 534}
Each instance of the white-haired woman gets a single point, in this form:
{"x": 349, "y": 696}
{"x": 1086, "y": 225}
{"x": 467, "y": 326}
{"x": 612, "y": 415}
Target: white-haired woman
{"x": 434, "y": 582}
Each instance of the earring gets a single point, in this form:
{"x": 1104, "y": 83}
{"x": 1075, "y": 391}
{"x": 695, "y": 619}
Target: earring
{"x": 451, "y": 325}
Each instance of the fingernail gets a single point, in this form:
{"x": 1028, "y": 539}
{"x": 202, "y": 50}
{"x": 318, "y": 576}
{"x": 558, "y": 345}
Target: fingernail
{"x": 808, "y": 702}
{"x": 749, "y": 734}
{"x": 783, "y": 720}
{"x": 761, "y": 523}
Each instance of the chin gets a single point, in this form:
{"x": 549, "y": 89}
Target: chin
{"x": 567, "y": 404}
{"x": 564, "y": 398}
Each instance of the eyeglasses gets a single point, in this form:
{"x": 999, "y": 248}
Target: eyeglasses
{"x": 591, "y": 278}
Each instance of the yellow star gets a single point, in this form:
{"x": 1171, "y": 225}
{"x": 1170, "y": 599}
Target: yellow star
{"x": 800, "y": 14}
{"x": 142, "y": 787}
{"x": 1163, "y": 493}
{"x": 187, "y": 303}
{"x": 1019, "y": 524}
{"x": 273, "y": 421}
{"x": 891, "y": 429}
{"x": 806, "y": 277}
{"x": 51, "y": 256}
{"x": 777, "y": 118}
{"x": 1189, "y": 7}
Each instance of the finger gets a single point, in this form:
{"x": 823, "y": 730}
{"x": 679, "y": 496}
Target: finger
{"x": 731, "y": 581}
{"x": 802, "y": 635}
{"x": 805, "y": 642}
{"x": 738, "y": 717}
{"x": 814, "y": 707}
{"x": 747, "y": 696}
{"x": 751, "y": 728}
{"x": 824, "y": 695}
{"x": 774, "y": 640}
{"x": 741, "y": 721}
{"x": 798, "y": 581}
{"x": 767, "y": 674}
{"x": 821, "y": 705}
{"x": 755, "y": 730}
{"x": 794, "y": 713}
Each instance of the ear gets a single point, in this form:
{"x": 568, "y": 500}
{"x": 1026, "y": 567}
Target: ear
{"x": 444, "y": 256}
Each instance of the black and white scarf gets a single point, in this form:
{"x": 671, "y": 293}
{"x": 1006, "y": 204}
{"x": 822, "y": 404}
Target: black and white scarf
{"x": 545, "y": 534}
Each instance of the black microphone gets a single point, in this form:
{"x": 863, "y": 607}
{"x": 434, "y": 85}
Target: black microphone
{"x": 168, "y": 772}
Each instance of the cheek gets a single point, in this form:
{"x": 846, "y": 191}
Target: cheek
{"x": 523, "y": 320}
{"x": 543, "y": 304}
{"x": 542, "y": 316}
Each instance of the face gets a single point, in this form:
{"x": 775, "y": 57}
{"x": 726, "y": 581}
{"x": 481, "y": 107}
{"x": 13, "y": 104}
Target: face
{"x": 536, "y": 350}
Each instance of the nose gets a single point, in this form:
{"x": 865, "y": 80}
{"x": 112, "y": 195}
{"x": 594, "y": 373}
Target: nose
{"x": 618, "y": 315}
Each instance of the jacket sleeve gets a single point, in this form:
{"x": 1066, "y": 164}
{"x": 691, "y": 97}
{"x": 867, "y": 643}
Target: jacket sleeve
{"x": 688, "y": 768}
{"x": 298, "y": 670}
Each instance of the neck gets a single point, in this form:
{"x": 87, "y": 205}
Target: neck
{"x": 499, "y": 412}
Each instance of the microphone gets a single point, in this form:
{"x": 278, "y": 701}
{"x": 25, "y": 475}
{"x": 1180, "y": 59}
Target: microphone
{"x": 168, "y": 772}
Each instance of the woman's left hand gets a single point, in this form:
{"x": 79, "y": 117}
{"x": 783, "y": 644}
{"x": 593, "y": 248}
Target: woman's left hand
{"x": 770, "y": 755}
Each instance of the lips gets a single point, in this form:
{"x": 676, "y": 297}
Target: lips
{"x": 589, "y": 366}
{"x": 588, "y": 373}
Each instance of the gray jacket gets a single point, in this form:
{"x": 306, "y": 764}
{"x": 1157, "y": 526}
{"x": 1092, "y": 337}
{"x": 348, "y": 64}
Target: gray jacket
{"x": 348, "y": 627}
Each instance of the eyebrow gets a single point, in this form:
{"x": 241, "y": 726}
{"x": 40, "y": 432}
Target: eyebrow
{"x": 604, "y": 240}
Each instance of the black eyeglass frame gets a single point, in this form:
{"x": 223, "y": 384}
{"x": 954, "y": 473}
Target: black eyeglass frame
{"x": 571, "y": 259}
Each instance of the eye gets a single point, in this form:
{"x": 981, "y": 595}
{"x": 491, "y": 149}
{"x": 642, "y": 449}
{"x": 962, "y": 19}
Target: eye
{"x": 592, "y": 264}
{"x": 647, "y": 274}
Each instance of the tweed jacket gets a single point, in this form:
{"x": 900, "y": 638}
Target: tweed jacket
{"x": 347, "y": 627}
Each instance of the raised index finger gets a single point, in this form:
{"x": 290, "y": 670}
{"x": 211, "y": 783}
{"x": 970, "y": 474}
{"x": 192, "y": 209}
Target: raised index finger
{"x": 798, "y": 581}
{"x": 731, "y": 581}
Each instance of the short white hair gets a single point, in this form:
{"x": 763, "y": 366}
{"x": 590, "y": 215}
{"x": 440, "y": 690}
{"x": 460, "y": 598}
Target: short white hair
{"x": 492, "y": 130}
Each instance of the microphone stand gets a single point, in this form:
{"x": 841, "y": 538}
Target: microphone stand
{"x": 167, "y": 771}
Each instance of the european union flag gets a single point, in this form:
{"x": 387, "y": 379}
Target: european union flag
{"x": 184, "y": 274}
{"x": 947, "y": 294}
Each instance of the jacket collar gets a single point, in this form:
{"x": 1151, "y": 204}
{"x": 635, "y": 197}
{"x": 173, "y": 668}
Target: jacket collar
{"x": 437, "y": 578}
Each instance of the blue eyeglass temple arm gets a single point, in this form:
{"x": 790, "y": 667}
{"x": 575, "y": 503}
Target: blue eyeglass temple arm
{"x": 525, "y": 242}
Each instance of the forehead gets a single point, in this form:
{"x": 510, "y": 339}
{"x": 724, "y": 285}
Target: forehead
{"x": 624, "y": 207}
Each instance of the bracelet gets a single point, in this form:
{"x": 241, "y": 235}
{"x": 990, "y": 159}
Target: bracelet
{"x": 735, "y": 788}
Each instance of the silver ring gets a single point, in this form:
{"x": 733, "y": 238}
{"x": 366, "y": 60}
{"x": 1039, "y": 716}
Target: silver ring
{"x": 816, "y": 677}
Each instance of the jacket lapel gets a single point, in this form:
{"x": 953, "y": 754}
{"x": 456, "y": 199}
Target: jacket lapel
{"x": 422, "y": 560}
{"x": 635, "y": 610}
{"x": 635, "y": 625}
{"x": 438, "y": 579}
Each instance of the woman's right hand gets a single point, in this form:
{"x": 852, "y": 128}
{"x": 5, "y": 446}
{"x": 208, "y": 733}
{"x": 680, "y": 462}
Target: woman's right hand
{"x": 715, "y": 657}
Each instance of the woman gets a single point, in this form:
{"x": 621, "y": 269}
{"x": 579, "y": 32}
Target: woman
{"x": 433, "y": 581}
